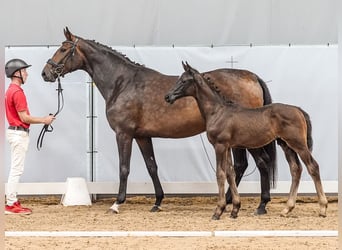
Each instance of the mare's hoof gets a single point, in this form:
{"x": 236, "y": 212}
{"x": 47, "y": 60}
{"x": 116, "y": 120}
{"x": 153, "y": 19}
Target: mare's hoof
{"x": 233, "y": 216}
{"x": 322, "y": 215}
{"x": 111, "y": 211}
{"x": 260, "y": 211}
{"x": 215, "y": 217}
{"x": 156, "y": 208}
{"x": 114, "y": 209}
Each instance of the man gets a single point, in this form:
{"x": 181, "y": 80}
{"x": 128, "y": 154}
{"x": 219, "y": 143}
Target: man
{"x": 19, "y": 120}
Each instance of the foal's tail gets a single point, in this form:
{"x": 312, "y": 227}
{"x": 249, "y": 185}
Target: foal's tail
{"x": 271, "y": 148}
{"x": 309, "y": 129}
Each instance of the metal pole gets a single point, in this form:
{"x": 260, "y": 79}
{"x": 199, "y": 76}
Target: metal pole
{"x": 91, "y": 146}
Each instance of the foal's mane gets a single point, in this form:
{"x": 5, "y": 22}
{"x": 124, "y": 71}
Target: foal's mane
{"x": 113, "y": 52}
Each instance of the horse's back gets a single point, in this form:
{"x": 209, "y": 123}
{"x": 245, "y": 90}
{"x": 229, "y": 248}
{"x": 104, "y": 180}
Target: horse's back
{"x": 240, "y": 86}
{"x": 286, "y": 116}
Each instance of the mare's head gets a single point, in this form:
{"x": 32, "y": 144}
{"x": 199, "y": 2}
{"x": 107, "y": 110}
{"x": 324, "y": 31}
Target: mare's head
{"x": 67, "y": 58}
{"x": 185, "y": 85}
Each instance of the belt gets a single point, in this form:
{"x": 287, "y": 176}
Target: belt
{"x": 19, "y": 128}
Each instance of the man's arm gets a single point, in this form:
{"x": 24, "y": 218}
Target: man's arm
{"x": 26, "y": 118}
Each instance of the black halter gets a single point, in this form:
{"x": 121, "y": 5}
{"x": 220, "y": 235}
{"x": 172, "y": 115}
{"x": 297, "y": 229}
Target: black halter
{"x": 58, "y": 70}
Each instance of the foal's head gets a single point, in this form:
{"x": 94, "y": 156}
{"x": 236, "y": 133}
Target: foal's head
{"x": 185, "y": 84}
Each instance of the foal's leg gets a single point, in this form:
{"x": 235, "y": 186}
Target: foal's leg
{"x": 296, "y": 172}
{"x": 313, "y": 170}
{"x": 240, "y": 166}
{"x": 146, "y": 148}
{"x": 230, "y": 173}
{"x": 220, "y": 178}
{"x": 224, "y": 164}
{"x": 124, "y": 142}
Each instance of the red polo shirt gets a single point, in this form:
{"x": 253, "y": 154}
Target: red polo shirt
{"x": 15, "y": 101}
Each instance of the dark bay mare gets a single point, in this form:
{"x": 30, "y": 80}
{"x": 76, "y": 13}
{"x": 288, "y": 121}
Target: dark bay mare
{"x": 229, "y": 125}
{"x": 135, "y": 108}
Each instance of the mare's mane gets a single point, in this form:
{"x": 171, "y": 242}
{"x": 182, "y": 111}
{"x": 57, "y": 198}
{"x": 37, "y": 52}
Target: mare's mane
{"x": 112, "y": 51}
{"x": 217, "y": 90}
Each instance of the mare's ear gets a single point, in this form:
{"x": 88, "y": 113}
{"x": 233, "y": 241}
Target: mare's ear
{"x": 68, "y": 34}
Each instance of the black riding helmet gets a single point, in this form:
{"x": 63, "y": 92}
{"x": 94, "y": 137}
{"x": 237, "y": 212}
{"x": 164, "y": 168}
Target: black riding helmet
{"x": 14, "y": 65}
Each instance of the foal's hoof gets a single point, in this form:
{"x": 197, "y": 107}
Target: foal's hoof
{"x": 285, "y": 215}
{"x": 286, "y": 211}
{"x": 215, "y": 217}
{"x": 156, "y": 208}
{"x": 323, "y": 211}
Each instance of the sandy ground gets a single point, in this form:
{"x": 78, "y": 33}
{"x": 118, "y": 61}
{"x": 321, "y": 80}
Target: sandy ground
{"x": 178, "y": 214}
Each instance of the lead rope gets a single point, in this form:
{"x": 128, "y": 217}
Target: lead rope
{"x": 60, "y": 105}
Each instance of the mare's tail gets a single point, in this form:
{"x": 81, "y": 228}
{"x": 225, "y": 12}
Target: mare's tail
{"x": 270, "y": 149}
{"x": 266, "y": 92}
{"x": 309, "y": 129}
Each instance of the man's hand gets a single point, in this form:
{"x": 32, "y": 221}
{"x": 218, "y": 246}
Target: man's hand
{"x": 49, "y": 119}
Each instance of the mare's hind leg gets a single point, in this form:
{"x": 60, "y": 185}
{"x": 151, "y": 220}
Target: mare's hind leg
{"x": 261, "y": 158}
{"x": 296, "y": 172}
{"x": 313, "y": 170}
{"x": 146, "y": 148}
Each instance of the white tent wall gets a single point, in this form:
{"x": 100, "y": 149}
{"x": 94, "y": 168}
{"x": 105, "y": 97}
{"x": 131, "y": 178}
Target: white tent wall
{"x": 305, "y": 76}
{"x": 179, "y": 22}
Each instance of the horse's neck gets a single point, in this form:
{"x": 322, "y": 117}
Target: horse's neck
{"x": 207, "y": 100}
{"x": 107, "y": 71}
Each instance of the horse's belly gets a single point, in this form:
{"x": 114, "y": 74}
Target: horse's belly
{"x": 172, "y": 129}
{"x": 251, "y": 140}
{"x": 179, "y": 120}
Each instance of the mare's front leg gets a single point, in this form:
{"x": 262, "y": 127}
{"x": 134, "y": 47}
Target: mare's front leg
{"x": 146, "y": 148}
{"x": 124, "y": 142}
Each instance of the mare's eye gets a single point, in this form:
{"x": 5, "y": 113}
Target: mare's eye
{"x": 63, "y": 50}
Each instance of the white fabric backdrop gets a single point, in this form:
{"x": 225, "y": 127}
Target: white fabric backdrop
{"x": 301, "y": 75}
{"x": 179, "y": 22}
